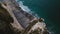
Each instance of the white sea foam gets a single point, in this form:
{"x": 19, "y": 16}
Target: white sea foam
{"x": 26, "y": 8}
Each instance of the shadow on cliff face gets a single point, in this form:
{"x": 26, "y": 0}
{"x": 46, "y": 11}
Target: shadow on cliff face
{"x": 5, "y": 20}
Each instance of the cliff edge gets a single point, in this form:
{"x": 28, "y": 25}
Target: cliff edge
{"x": 23, "y": 22}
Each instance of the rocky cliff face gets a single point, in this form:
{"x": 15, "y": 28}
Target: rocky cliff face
{"x": 23, "y": 21}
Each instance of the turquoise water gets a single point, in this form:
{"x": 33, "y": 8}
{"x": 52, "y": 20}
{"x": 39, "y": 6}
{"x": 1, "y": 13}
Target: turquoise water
{"x": 47, "y": 9}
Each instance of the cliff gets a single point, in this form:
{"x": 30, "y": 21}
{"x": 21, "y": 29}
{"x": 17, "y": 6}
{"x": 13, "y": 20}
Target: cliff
{"x": 23, "y": 22}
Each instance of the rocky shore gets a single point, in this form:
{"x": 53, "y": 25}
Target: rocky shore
{"x": 18, "y": 21}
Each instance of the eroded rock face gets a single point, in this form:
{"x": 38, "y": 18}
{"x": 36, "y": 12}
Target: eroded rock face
{"x": 10, "y": 6}
{"x": 39, "y": 31}
{"x": 21, "y": 19}
{"x": 36, "y": 27}
{"x": 5, "y": 17}
{"x": 5, "y": 20}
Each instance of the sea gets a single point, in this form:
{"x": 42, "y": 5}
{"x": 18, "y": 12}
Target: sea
{"x": 46, "y": 9}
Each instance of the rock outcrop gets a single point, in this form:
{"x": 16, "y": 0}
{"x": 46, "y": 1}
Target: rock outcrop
{"x": 21, "y": 22}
